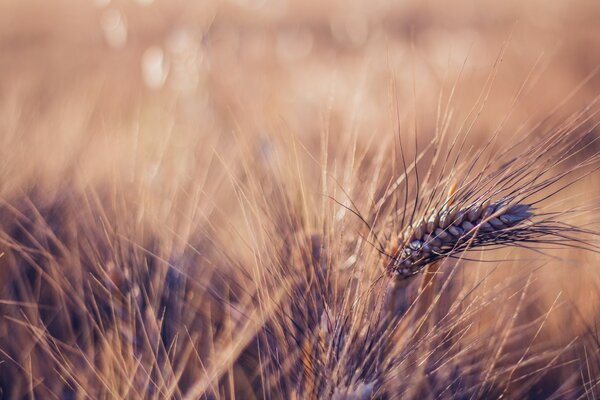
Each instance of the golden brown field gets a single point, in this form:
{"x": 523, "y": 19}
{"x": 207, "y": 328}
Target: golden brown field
{"x": 213, "y": 199}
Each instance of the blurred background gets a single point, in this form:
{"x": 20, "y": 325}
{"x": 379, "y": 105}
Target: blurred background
{"x": 81, "y": 75}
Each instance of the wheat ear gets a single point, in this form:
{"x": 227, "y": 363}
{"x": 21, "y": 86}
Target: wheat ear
{"x": 454, "y": 230}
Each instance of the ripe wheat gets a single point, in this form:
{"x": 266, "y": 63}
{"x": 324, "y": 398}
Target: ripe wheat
{"x": 454, "y": 230}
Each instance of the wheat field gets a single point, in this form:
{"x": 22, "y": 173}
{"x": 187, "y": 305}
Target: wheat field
{"x": 299, "y": 199}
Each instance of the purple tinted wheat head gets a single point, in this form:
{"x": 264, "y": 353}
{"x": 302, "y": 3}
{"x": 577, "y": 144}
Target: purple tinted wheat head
{"x": 454, "y": 230}
{"x": 486, "y": 200}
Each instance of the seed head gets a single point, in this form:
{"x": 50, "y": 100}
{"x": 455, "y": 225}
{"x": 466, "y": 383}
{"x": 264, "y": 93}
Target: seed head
{"x": 455, "y": 230}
